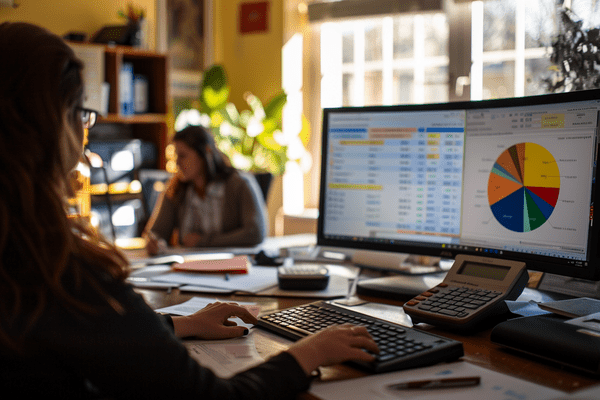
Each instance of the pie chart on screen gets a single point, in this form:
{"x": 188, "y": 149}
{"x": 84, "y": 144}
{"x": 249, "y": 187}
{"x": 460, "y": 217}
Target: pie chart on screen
{"x": 523, "y": 187}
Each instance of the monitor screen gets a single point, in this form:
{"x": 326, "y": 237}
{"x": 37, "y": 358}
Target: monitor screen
{"x": 509, "y": 178}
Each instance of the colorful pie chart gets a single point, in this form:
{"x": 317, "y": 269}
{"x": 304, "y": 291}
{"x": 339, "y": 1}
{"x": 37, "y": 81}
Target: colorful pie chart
{"x": 523, "y": 187}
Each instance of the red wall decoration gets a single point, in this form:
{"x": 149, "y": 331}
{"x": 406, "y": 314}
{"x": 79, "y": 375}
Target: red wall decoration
{"x": 254, "y": 17}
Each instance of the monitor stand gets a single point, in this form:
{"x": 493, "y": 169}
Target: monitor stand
{"x": 396, "y": 262}
{"x": 413, "y": 275}
{"x": 398, "y": 287}
{"x": 569, "y": 286}
{"x": 409, "y": 275}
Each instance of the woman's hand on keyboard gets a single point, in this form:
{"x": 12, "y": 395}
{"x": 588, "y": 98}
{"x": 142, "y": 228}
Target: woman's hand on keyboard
{"x": 212, "y": 322}
{"x": 334, "y": 345}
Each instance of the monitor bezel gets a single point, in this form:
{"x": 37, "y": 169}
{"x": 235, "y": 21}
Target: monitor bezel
{"x": 533, "y": 262}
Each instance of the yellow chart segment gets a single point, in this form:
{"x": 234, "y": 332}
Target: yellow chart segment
{"x": 540, "y": 166}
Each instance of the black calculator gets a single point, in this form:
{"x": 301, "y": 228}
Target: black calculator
{"x": 304, "y": 276}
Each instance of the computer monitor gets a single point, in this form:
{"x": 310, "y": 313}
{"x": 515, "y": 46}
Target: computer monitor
{"x": 507, "y": 178}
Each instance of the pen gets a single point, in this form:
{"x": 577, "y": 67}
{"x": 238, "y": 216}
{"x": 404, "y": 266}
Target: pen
{"x": 437, "y": 383}
{"x": 226, "y": 277}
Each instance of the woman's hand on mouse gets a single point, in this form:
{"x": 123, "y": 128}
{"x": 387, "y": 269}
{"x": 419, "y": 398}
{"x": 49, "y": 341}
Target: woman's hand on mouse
{"x": 212, "y": 322}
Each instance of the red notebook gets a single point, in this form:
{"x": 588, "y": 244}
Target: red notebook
{"x": 230, "y": 265}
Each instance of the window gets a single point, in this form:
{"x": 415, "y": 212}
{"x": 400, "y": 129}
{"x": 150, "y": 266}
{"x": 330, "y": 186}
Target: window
{"x": 508, "y": 51}
{"x": 422, "y": 57}
{"x": 384, "y": 60}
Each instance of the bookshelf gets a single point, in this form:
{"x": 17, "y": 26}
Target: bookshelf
{"x": 103, "y": 64}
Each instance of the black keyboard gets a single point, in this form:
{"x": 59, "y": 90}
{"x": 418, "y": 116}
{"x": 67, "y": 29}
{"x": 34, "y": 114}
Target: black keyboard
{"x": 400, "y": 347}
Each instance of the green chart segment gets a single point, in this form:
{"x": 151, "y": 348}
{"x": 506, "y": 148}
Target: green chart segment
{"x": 523, "y": 187}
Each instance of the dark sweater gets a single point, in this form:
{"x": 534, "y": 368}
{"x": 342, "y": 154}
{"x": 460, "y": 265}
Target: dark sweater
{"x": 243, "y": 214}
{"x": 132, "y": 354}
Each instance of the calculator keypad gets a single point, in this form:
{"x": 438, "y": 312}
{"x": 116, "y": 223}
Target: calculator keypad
{"x": 453, "y": 301}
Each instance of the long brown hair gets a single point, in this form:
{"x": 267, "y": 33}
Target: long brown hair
{"x": 40, "y": 88}
{"x": 198, "y": 138}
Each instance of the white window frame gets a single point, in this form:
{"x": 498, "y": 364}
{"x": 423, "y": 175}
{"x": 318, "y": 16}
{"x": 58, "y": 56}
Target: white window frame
{"x": 465, "y": 69}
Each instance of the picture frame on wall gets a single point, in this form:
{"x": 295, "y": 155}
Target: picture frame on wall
{"x": 183, "y": 32}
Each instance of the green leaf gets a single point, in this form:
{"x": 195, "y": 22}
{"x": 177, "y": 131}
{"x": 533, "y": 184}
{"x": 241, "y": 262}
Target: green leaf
{"x": 270, "y": 126}
{"x": 216, "y": 118}
{"x": 214, "y": 89}
{"x": 274, "y": 110}
{"x": 254, "y": 103}
{"x": 268, "y": 142}
{"x": 245, "y": 116}
{"x": 232, "y": 113}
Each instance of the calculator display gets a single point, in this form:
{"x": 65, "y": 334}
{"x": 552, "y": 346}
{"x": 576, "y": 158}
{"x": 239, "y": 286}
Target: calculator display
{"x": 496, "y": 272}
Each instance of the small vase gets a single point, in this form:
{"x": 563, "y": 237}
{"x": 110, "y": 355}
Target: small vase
{"x": 136, "y": 33}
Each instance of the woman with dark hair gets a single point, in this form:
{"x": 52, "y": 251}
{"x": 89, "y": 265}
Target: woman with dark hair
{"x": 70, "y": 327}
{"x": 208, "y": 202}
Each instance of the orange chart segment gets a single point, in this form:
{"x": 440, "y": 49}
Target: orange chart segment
{"x": 507, "y": 162}
{"x": 517, "y": 156}
{"x": 500, "y": 187}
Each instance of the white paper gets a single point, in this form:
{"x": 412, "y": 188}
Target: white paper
{"x": 493, "y": 386}
{"x": 197, "y": 303}
{"x": 258, "y": 278}
{"x": 144, "y": 277}
{"x": 589, "y": 322}
{"x": 225, "y": 357}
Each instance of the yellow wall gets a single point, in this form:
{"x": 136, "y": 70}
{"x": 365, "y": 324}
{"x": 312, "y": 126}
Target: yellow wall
{"x": 252, "y": 61}
{"x": 62, "y": 16}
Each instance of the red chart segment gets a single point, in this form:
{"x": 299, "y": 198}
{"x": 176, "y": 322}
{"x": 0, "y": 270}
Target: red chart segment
{"x": 523, "y": 187}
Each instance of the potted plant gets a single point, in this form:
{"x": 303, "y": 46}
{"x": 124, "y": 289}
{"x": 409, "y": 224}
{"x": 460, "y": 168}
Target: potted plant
{"x": 135, "y": 18}
{"x": 252, "y": 139}
{"x": 575, "y": 55}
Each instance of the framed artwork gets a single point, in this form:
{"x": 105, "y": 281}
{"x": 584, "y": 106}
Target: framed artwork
{"x": 181, "y": 33}
{"x": 185, "y": 34}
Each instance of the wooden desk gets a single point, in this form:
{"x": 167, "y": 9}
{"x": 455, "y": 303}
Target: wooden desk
{"x": 478, "y": 348}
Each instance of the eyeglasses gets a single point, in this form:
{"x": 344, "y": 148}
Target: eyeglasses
{"x": 88, "y": 117}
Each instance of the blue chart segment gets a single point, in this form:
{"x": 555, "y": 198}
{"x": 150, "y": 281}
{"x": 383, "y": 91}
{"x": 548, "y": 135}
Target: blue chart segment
{"x": 523, "y": 187}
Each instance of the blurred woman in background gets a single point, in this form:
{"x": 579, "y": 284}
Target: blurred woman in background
{"x": 208, "y": 202}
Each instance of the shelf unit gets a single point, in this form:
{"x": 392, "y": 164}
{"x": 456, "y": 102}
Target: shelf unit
{"x": 103, "y": 63}
{"x": 153, "y": 125}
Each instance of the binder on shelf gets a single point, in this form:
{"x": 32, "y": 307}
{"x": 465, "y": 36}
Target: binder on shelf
{"x": 140, "y": 94}
{"x": 126, "y": 99}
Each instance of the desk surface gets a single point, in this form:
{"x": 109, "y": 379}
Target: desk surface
{"x": 478, "y": 348}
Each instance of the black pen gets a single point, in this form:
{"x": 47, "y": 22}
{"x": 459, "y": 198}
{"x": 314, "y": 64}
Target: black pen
{"x": 437, "y": 383}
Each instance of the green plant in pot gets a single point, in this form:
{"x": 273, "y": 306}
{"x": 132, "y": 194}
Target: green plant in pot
{"x": 252, "y": 138}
